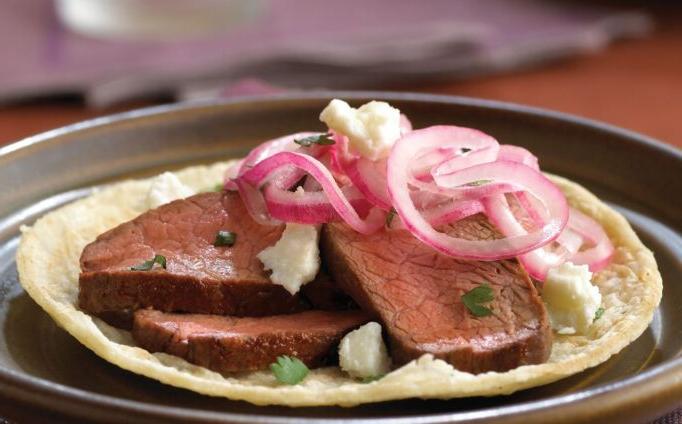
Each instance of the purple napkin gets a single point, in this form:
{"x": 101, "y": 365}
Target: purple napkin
{"x": 303, "y": 43}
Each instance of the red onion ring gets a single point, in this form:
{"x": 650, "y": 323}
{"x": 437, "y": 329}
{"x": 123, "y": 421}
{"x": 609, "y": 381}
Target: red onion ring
{"x": 409, "y": 146}
{"x": 370, "y": 178}
{"x": 480, "y": 148}
{"x": 518, "y": 154}
{"x": 260, "y": 173}
{"x": 598, "y": 256}
{"x": 474, "y": 157}
{"x": 428, "y": 180}
{"x": 536, "y": 262}
{"x": 524, "y": 178}
{"x": 263, "y": 151}
{"x": 453, "y": 212}
{"x": 309, "y": 207}
{"x": 254, "y": 203}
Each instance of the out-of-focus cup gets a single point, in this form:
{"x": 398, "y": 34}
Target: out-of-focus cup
{"x": 155, "y": 19}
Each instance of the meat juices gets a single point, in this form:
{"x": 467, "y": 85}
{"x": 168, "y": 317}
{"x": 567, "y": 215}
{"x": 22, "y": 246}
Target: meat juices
{"x": 416, "y": 293}
{"x": 228, "y": 344}
{"x": 200, "y": 277}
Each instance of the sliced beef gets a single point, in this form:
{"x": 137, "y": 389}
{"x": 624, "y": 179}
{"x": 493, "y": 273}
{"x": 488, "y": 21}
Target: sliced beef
{"x": 416, "y": 292}
{"x": 200, "y": 277}
{"x": 228, "y": 344}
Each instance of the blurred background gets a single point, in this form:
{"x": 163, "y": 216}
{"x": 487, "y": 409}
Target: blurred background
{"x": 68, "y": 60}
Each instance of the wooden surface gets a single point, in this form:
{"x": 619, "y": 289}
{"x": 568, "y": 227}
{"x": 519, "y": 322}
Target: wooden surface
{"x": 635, "y": 84}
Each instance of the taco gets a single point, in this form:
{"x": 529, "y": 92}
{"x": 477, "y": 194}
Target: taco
{"x": 347, "y": 267}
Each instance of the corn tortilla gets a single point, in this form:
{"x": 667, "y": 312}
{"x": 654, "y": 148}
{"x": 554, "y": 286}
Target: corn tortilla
{"x": 48, "y": 266}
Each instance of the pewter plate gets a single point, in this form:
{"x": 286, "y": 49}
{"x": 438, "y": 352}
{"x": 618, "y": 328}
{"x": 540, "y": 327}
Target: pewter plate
{"x": 46, "y": 374}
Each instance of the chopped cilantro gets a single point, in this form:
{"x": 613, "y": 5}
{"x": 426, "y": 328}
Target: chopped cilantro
{"x": 148, "y": 265}
{"x": 478, "y": 183}
{"x": 289, "y": 370}
{"x": 598, "y": 313}
{"x": 372, "y": 378}
{"x": 321, "y": 139}
{"x": 389, "y": 217}
{"x": 225, "y": 238}
{"x": 474, "y": 297}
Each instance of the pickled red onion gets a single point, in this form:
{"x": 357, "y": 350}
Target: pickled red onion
{"x": 598, "y": 255}
{"x": 269, "y": 148}
{"x": 466, "y": 160}
{"x": 536, "y": 262}
{"x": 518, "y": 154}
{"x": 263, "y": 151}
{"x": 309, "y": 207}
{"x": 257, "y": 175}
{"x": 370, "y": 178}
{"x": 254, "y": 202}
{"x": 452, "y": 212}
{"x": 433, "y": 176}
{"x": 409, "y": 146}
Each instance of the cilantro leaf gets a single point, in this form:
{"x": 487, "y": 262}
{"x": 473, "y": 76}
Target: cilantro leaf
{"x": 478, "y": 183}
{"x": 225, "y": 238}
{"x": 217, "y": 187}
{"x": 321, "y": 139}
{"x": 373, "y": 378}
{"x": 389, "y": 217}
{"x": 289, "y": 370}
{"x": 598, "y": 313}
{"x": 148, "y": 265}
{"x": 474, "y": 297}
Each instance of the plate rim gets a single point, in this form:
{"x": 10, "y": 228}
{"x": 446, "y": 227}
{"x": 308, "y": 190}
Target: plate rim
{"x": 650, "y": 386}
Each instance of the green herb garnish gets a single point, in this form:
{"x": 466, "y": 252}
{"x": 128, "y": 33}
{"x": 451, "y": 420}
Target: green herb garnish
{"x": 474, "y": 297}
{"x": 289, "y": 370}
{"x": 225, "y": 238}
{"x": 321, "y": 139}
{"x": 478, "y": 183}
{"x": 373, "y": 378}
{"x": 148, "y": 265}
{"x": 217, "y": 187}
{"x": 598, "y": 313}
{"x": 389, "y": 217}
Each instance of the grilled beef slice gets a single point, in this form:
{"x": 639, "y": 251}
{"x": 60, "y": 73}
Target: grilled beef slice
{"x": 200, "y": 277}
{"x": 416, "y": 292}
{"x": 228, "y": 344}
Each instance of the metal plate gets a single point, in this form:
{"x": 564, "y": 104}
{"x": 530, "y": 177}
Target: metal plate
{"x": 45, "y": 371}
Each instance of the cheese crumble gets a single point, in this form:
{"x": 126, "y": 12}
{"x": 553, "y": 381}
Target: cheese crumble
{"x": 295, "y": 258}
{"x": 165, "y": 188}
{"x": 572, "y": 301}
{"x": 372, "y": 129}
{"x": 362, "y": 352}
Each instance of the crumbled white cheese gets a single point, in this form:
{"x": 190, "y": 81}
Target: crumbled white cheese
{"x": 372, "y": 129}
{"x": 165, "y": 188}
{"x": 295, "y": 258}
{"x": 571, "y": 299}
{"x": 362, "y": 352}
